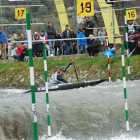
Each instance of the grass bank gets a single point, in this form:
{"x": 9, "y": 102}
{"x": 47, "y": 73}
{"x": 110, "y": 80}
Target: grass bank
{"x": 17, "y": 74}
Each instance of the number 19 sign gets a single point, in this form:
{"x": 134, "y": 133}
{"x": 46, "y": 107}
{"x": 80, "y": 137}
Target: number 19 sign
{"x": 85, "y": 7}
{"x": 20, "y": 13}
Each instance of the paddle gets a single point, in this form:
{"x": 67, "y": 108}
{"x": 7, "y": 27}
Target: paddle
{"x": 133, "y": 51}
{"x": 76, "y": 72}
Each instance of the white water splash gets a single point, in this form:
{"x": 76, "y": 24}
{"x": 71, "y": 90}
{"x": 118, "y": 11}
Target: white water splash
{"x": 124, "y": 137}
{"x": 57, "y": 137}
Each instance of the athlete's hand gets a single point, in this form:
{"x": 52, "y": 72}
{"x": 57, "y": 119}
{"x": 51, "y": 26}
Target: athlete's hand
{"x": 73, "y": 61}
{"x": 86, "y": 47}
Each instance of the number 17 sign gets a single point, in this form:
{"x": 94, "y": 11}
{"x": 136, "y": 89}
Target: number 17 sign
{"x": 20, "y": 13}
{"x": 85, "y": 7}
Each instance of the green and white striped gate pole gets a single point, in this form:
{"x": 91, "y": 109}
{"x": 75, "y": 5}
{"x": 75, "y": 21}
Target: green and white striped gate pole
{"x": 46, "y": 84}
{"x": 125, "y": 93}
{"x": 32, "y": 75}
{"x": 126, "y": 35}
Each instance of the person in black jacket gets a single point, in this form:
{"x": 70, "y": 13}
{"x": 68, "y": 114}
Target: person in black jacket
{"x": 88, "y": 24}
{"x": 74, "y": 41}
{"x": 135, "y": 43}
{"x": 57, "y": 43}
{"x": 51, "y": 35}
{"x": 67, "y": 34}
{"x": 25, "y": 52}
{"x": 93, "y": 47}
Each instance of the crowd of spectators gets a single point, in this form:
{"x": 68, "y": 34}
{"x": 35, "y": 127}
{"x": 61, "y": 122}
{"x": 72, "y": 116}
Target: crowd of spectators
{"x": 65, "y": 45}
{"x": 13, "y": 50}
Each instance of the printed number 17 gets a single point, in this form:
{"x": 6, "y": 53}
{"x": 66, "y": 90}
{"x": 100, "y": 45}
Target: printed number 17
{"x": 22, "y": 11}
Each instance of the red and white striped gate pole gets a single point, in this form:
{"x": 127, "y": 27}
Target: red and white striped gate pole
{"x": 108, "y": 57}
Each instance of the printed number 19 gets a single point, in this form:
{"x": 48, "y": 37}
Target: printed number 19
{"x": 87, "y": 7}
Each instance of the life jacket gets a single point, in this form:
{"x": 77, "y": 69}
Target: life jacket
{"x": 41, "y": 38}
{"x": 131, "y": 28}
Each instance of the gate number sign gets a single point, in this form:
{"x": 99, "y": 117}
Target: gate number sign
{"x": 85, "y": 8}
{"x": 20, "y": 13}
{"x": 131, "y": 14}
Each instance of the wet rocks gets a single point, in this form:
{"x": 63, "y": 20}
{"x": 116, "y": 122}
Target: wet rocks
{"x": 2, "y": 135}
{"x": 14, "y": 84}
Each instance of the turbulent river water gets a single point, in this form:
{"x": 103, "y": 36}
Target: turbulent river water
{"x": 92, "y": 113}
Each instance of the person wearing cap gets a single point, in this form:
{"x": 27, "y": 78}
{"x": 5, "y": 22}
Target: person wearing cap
{"x": 3, "y": 44}
{"x": 13, "y": 44}
{"x": 93, "y": 47}
{"x": 87, "y": 25}
{"x": 67, "y": 34}
{"x": 57, "y": 77}
{"x": 35, "y": 36}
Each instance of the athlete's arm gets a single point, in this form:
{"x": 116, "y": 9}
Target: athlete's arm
{"x": 60, "y": 78}
{"x": 70, "y": 64}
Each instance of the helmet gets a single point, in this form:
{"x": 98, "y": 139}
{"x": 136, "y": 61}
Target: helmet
{"x": 63, "y": 68}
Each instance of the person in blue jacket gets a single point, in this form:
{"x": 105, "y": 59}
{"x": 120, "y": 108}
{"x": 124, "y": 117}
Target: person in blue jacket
{"x": 82, "y": 42}
{"x": 25, "y": 39}
{"x": 1, "y": 44}
{"x": 130, "y": 40}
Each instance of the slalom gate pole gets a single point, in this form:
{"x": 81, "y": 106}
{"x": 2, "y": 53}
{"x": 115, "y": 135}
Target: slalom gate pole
{"x": 32, "y": 75}
{"x": 125, "y": 93}
{"x": 46, "y": 84}
{"x": 108, "y": 58}
{"x": 126, "y": 35}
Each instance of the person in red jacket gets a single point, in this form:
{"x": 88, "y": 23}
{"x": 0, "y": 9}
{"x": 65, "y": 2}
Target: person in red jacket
{"x": 18, "y": 53}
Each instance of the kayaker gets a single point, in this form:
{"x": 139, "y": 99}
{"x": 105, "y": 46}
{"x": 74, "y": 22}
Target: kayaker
{"x": 57, "y": 77}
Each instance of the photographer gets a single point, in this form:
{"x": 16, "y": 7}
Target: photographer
{"x": 93, "y": 47}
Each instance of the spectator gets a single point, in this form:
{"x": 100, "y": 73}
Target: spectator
{"x": 3, "y": 44}
{"x": 63, "y": 50}
{"x": 102, "y": 33}
{"x": 13, "y": 45}
{"x": 135, "y": 43}
{"x": 19, "y": 37}
{"x": 93, "y": 47}
{"x": 8, "y": 36}
{"x": 82, "y": 42}
{"x": 18, "y": 53}
{"x": 35, "y": 36}
{"x": 130, "y": 37}
{"x": 25, "y": 39}
{"x": 67, "y": 34}
{"x": 131, "y": 27}
{"x": 51, "y": 35}
{"x": 7, "y": 49}
{"x": 88, "y": 24}
{"x": 74, "y": 41}
{"x": 24, "y": 52}
{"x": 57, "y": 43}
{"x": 41, "y": 37}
